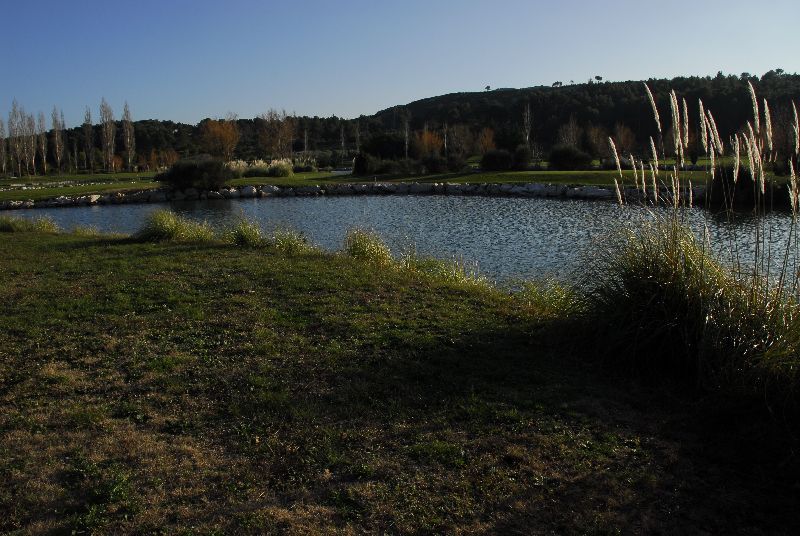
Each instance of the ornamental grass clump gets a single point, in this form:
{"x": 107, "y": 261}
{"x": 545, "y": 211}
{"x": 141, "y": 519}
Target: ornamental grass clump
{"x": 280, "y": 168}
{"x": 290, "y": 242}
{"x": 11, "y": 224}
{"x": 245, "y": 233}
{"x": 166, "y": 226}
{"x": 661, "y": 305}
{"x": 367, "y": 246}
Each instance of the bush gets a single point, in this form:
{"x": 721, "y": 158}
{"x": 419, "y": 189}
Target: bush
{"x": 522, "y": 157}
{"x": 245, "y": 233}
{"x": 11, "y": 224}
{"x": 434, "y": 164}
{"x": 260, "y": 170}
{"x": 203, "y": 173}
{"x": 661, "y": 305}
{"x": 280, "y": 168}
{"x": 166, "y": 226}
{"x": 364, "y": 164}
{"x": 569, "y": 158}
{"x": 367, "y": 246}
{"x": 497, "y": 160}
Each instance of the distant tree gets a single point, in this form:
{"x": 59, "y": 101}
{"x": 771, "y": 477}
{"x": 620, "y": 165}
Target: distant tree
{"x": 16, "y": 120}
{"x": 2, "y": 148}
{"x": 277, "y": 133}
{"x": 624, "y": 138}
{"x": 29, "y": 143}
{"x": 405, "y": 136}
{"x": 41, "y": 140}
{"x": 598, "y": 78}
{"x": 88, "y": 140}
{"x": 527, "y": 124}
{"x": 109, "y": 133}
{"x": 597, "y": 142}
{"x": 128, "y": 136}
{"x": 430, "y": 143}
{"x": 58, "y": 137}
{"x": 488, "y": 88}
{"x": 220, "y": 137}
{"x": 486, "y": 140}
{"x": 569, "y": 134}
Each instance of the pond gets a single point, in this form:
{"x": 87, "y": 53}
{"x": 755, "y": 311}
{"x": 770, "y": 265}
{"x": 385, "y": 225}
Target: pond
{"x": 507, "y": 238}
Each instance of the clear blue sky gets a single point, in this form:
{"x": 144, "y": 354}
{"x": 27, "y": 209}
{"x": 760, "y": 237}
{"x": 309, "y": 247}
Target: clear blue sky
{"x": 189, "y": 59}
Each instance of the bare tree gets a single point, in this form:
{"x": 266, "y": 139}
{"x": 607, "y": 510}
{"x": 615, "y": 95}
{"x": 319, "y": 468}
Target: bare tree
{"x": 405, "y": 135}
{"x": 305, "y": 140}
{"x": 341, "y": 136}
{"x": 108, "y": 133}
{"x": 129, "y": 136}
{"x": 41, "y": 138}
{"x": 527, "y": 124}
{"x": 58, "y": 137}
{"x": 570, "y": 133}
{"x": 88, "y": 141}
{"x": 444, "y": 133}
{"x": 358, "y": 136}
{"x": 277, "y": 133}
{"x": 29, "y": 143}
{"x": 2, "y": 147}
{"x": 16, "y": 122}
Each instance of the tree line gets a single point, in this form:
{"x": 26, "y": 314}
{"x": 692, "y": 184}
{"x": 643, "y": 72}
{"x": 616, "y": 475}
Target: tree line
{"x": 581, "y": 116}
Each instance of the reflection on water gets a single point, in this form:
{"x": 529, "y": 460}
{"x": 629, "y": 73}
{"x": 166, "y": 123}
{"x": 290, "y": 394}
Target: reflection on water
{"x": 507, "y": 237}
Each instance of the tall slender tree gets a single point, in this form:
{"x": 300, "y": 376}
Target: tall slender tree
{"x": 527, "y": 124}
{"x": 58, "y": 137}
{"x": 16, "y": 122}
{"x": 109, "y": 131}
{"x": 41, "y": 140}
{"x": 30, "y": 143}
{"x": 88, "y": 140}
{"x": 2, "y": 147}
{"x": 129, "y": 136}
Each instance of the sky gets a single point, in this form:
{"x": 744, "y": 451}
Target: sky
{"x": 185, "y": 60}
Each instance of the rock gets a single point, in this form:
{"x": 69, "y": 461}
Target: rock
{"x": 308, "y": 191}
{"x": 158, "y": 196}
{"x": 93, "y": 199}
{"x": 421, "y": 188}
{"x": 214, "y": 195}
{"x": 176, "y": 195}
{"x": 269, "y": 190}
{"x": 248, "y": 191}
{"x": 230, "y": 193}
{"x": 191, "y": 194}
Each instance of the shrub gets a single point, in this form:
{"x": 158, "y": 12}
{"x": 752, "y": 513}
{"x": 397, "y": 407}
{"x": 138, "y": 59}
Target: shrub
{"x": 497, "y": 160}
{"x": 367, "y": 246}
{"x": 11, "y": 224}
{"x": 203, "y": 173}
{"x": 569, "y": 158}
{"x": 290, "y": 242}
{"x": 257, "y": 170}
{"x": 522, "y": 157}
{"x": 364, "y": 164}
{"x": 166, "y": 226}
{"x": 280, "y": 168}
{"x": 662, "y": 305}
{"x": 245, "y": 233}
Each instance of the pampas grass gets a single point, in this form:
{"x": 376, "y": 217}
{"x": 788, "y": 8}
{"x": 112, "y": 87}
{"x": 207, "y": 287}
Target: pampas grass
{"x": 655, "y": 108}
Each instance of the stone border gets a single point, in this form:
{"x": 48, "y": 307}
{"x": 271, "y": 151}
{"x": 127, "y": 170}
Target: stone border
{"x": 375, "y": 188}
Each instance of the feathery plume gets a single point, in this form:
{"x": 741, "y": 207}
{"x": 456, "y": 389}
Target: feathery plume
{"x": 616, "y": 156}
{"x": 703, "y": 128}
{"x": 768, "y": 125}
{"x": 676, "y": 123}
{"x": 714, "y": 132}
{"x": 685, "y": 124}
{"x": 736, "y": 156}
{"x": 655, "y": 154}
{"x": 691, "y": 194}
{"x": 635, "y": 171}
{"x": 756, "y": 114}
{"x": 644, "y": 180}
{"x": 655, "y": 184}
{"x": 748, "y": 147}
{"x": 655, "y": 108}
{"x": 793, "y": 192}
{"x": 796, "y": 126}
{"x": 619, "y": 194}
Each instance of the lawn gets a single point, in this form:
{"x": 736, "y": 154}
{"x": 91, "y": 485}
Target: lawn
{"x": 204, "y": 388}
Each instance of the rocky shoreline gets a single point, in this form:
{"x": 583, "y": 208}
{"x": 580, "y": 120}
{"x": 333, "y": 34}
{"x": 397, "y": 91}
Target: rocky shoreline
{"x": 377, "y": 188}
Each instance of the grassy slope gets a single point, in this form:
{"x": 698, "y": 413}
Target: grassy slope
{"x": 142, "y": 389}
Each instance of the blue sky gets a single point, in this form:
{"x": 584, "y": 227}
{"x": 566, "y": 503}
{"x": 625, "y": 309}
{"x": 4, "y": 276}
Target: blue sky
{"x": 185, "y": 60}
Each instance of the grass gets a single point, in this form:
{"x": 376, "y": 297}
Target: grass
{"x": 205, "y": 388}
{"x": 43, "y": 193}
{"x": 164, "y": 225}
{"x": 11, "y": 224}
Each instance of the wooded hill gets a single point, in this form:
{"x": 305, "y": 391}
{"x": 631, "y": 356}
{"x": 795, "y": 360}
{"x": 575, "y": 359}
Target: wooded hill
{"x": 580, "y": 114}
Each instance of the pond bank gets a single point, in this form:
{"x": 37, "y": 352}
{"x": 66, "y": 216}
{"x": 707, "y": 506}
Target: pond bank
{"x": 349, "y": 189}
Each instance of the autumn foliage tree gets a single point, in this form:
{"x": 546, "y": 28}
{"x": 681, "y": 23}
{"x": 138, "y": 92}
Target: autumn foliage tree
{"x": 219, "y": 137}
{"x": 277, "y": 133}
{"x": 430, "y": 143}
{"x": 486, "y": 140}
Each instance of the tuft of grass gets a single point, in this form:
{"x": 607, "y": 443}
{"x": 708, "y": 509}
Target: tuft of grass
{"x": 166, "y": 226}
{"x": 367, "y": 246}
{"x": 662, "y": 305}
{"x": 11, "y": 224}
{"x": 452, "y": 271}
{"x": 551, "y": 300}
{"x": 291, "y": 242}
{"x": 86, "y": 231}
{"x": 245, "y": 233}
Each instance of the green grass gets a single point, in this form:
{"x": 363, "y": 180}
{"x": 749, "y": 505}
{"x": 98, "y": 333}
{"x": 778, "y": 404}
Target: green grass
{"x": 207, "y": 388}
{"x": 166, "y": 226}
{"x": 12, "y": 224}
{"x": 77, "y": 190}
